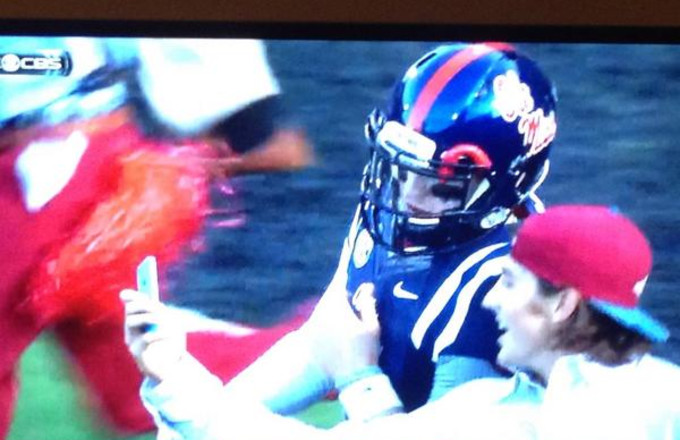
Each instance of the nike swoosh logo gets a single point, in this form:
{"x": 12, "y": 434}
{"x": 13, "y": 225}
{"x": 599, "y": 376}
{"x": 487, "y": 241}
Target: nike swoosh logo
{"x": 400, "y": 292}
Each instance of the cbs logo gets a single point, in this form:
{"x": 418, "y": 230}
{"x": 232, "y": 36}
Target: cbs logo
{"x": 12, "y": 63}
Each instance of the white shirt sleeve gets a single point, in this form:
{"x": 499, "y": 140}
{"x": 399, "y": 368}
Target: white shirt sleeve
{"x": 470, "y": 411}
{"x": 192, "y": 404}
{"x": 193, "y": 83}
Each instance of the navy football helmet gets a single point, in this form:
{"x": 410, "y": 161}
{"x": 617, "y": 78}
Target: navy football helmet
{"x": 465, "y": 140}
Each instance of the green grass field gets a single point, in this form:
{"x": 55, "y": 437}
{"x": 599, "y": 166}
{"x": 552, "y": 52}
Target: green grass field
{"x": 52, "y": 405}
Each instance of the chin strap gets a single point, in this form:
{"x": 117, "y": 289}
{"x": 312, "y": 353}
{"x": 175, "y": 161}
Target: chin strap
{"x": 531, "y": 205}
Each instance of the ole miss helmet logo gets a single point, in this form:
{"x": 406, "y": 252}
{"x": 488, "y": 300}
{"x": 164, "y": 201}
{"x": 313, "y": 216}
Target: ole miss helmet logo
{"x": 513, "y": 101}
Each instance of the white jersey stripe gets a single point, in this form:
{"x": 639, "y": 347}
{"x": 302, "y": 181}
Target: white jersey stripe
{"x": 354, "y": 227}
{"x": 448, "y": 336}
{"x": 445, "y": 292}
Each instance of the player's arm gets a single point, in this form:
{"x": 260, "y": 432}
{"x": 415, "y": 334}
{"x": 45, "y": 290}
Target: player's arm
{"x": 292, "y": 375}
{"x": 286, "y": 378}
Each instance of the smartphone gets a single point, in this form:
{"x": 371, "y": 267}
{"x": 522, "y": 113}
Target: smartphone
{"x": 147, "y": 282}
{"x": 147, "y": 277}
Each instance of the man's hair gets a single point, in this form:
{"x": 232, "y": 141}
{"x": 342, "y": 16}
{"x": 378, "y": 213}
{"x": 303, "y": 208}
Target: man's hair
{"x": 595, "y": 334}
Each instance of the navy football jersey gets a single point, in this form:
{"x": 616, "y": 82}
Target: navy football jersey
{"x": 428, "y": 305}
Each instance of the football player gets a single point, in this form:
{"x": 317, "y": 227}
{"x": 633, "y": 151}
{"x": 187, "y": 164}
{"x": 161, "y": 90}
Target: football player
{"x": 463, "y": 144}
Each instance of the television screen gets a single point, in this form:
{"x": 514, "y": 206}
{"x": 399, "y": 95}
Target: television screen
{"x": 239, "y": 163}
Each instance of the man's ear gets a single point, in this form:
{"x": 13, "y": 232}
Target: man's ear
{"x": 569, "y": 299}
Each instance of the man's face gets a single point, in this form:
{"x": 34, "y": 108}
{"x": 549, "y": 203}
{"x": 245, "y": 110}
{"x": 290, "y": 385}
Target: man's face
{"x": 424, "y": 196}
{"x": 523, "y": 316}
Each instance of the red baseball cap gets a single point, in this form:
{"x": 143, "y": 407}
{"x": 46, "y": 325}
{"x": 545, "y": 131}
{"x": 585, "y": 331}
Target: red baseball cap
{"x": 596, "y": 250}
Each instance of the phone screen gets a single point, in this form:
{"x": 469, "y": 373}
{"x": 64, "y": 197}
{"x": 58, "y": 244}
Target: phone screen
{"x": 147, "y": 277}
